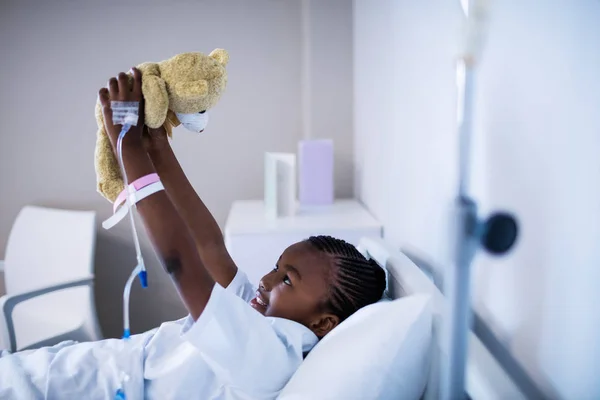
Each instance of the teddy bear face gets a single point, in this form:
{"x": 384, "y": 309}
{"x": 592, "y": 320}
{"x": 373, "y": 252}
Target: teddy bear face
{"x": 194, "y": 81}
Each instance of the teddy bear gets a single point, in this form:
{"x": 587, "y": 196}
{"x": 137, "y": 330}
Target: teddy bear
{"x": 177, "y": 91}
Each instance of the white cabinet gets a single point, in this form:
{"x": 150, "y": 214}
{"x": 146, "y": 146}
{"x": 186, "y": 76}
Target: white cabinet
{"x": 256, "y": 241}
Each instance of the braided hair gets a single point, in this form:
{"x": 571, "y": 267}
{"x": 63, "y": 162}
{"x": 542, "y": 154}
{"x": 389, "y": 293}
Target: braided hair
{"x": 356, "y": 281}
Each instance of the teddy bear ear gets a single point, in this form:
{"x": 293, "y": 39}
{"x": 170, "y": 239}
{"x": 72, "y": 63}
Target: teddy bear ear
{"x": 220, "y": 55}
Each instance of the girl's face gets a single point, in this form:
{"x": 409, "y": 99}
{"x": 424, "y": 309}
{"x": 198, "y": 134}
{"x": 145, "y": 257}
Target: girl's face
{"x": 297, "y": 289}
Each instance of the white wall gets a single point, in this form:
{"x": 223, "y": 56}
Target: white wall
{"x": 56, "y": 55}
{"x": 535, "y": 154}
{"x": 327, "y": 82}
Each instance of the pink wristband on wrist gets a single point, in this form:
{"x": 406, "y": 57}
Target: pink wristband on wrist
{"x": 136, "y": 185}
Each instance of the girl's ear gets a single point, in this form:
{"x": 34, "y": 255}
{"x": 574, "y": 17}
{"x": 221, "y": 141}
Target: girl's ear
{"x": 324, "y": 324}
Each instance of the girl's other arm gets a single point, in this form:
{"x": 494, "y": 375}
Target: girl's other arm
{"x": 205, "y": 230}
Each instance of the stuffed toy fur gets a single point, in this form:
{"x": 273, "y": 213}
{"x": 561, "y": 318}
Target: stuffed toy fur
{"x": 187, "y": 83}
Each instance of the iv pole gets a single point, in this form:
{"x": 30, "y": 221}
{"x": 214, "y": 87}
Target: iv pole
{"x": 496, "y": 235}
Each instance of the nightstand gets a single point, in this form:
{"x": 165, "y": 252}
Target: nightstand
{"x": 255, "y": 241}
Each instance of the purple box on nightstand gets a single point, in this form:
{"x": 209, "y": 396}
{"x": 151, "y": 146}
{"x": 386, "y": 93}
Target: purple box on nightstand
{"x": 315, "y": 172}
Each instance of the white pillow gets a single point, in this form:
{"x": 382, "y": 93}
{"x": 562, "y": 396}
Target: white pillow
{"x": 383, "y": 351}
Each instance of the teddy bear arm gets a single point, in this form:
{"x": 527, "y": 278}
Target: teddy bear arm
{"x": 156, "y": 100}
{"x": 109, "y": 181}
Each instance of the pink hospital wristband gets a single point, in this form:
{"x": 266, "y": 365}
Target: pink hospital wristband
{"x": 133, "y": 199}
{"x": 136, "y": 185}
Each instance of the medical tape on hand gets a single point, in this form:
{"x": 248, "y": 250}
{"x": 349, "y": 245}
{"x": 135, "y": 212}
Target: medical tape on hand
{"x": 133, "y": 198}
{"x": 125, "y": 112}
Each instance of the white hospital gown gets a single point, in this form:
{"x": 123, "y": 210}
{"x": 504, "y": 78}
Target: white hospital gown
{"x": 230, "y": 352}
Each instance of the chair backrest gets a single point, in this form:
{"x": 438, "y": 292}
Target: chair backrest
{"x": 49, "y": 246}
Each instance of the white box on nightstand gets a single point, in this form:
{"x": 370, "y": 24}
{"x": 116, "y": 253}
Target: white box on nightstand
{"x": 256, "y": 241}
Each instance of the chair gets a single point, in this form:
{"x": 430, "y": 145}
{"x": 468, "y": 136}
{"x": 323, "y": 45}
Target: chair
{"x": 49, "y": 279}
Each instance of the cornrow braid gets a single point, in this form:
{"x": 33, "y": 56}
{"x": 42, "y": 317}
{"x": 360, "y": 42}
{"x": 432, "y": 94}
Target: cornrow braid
{"x": 356, "y": 281}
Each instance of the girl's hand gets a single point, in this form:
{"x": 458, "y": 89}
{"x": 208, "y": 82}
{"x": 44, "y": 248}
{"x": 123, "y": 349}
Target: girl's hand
{"x": 155, "y": 140}
{"x": 120, "y": 90}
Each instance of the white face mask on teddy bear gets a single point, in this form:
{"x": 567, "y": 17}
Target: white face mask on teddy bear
{"x": 194, "y": 122}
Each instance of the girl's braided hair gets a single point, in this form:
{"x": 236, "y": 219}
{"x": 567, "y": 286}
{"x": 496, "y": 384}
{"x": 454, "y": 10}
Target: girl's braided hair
{"x": 356, "y": 281}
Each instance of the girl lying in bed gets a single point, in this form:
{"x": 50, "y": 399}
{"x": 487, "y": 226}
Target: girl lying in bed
{"x": 238, "y": 341}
